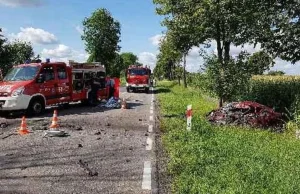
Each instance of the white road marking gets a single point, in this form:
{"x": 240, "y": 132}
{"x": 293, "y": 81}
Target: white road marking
{"x": 146, "y": 184}
{"x": 151, "y": 111}
{"x": 151, "y": 118}
{"x": 151, "y": 108}
{"x": 150, "y": 129}
{"x": 149, "y": 144}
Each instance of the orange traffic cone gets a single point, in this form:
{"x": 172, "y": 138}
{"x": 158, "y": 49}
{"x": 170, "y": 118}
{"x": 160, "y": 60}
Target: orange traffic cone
{"x": 123, "y": 105}
{"x": 54, "y": 124}
{"x": 23, "y": 129}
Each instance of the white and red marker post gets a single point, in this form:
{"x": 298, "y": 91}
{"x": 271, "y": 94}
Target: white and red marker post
{"x": 189, "y": 117}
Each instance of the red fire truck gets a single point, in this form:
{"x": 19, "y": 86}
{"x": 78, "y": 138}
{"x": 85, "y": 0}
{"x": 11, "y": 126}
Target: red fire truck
{"x": 34, "y": 86}
{"x": 138, "y": 78}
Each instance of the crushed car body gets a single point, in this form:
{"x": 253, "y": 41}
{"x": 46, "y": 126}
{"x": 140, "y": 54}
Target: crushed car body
{"x": 247, "y": 113}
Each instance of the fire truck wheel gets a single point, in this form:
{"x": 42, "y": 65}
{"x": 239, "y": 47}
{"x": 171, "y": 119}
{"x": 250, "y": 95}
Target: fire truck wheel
{"x": 128, "y": 90}
{"x": 36, "y": 107}
{"x": 147, "y": 90}
{"x": 84, "y": 102}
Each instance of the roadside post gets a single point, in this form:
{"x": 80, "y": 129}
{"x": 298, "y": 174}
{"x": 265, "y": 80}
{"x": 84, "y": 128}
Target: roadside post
{"x": 189, "y": 117}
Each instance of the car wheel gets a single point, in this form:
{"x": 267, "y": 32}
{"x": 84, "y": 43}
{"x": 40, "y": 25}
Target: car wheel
{"x": 36, "y": 107}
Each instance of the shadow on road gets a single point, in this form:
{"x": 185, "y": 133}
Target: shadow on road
{"x": 132, "y": 105}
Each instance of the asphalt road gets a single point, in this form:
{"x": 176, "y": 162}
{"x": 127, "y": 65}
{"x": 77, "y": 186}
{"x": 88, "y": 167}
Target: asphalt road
{"x": 107, "y": 151}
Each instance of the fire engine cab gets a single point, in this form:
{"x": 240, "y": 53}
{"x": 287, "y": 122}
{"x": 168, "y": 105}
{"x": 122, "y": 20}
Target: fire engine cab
{"x": 137, "y": 78}
{"x": 33, "y": 86}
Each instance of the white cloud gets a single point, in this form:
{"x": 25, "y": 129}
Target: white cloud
{"x": 35, "y": 36}
{"x": 79, "y": 30}
{"x": 287, "y": 67}
{"x": 155, "y": 40}
{"x": 194, "y": 60}
{"x": 64, "y": 53}
{"x": 147, "y": 58}
{"x": 236, "y": 50}
{"x": 21, "y": 3}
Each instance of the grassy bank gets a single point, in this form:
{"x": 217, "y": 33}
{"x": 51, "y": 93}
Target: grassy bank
{"x": 214, "y": 159}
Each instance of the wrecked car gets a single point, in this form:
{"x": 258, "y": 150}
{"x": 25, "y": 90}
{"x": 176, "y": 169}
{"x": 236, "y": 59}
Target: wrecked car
{"x": 246, "y": 113}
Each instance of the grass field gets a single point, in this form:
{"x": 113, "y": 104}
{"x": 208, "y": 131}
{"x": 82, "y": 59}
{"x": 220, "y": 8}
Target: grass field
{"x": 212, "y": 159}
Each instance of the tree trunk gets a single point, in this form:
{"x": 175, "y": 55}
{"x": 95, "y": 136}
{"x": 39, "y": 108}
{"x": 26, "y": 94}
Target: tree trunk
{"x": 179, "y": 80}
{"x": 184, "y": 73}
{"x": 220, "y": 102}
{"x": 226, "y": 52}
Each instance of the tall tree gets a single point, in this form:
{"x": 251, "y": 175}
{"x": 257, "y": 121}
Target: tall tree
{"x": 259, "y": 62}
{"x": 15, "y": 52}
{"x": 169, "y": 57}
{"x": 128, "y": 59}
{"x": 283, "y": 41}
{"x": 101, "y": 33}
{"x": 20, "y": 51}
{"x": 225, "y": 21}
{"x": 116, "y": 67}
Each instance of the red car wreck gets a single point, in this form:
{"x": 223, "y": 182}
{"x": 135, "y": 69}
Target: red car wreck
{"x": 247, "y": 113}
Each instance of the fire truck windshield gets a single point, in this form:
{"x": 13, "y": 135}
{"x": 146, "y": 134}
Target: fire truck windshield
{"x": 21, "y": 73}
{"x": 137, "y": 72}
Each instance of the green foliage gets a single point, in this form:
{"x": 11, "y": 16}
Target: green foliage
{"x": 259, "y": 62}
{"x": 15, "y": 52}
{"x": 228, "y": 23}
{"x": 200, "y": 81}
{"x": 233, "y": 79}
{"x": 276, "y": 73}
{"x": 116, "y": 67}
{"x": 128, "y": 59}
{"x": 20, "y": 51}
{"x": 283, "y": 41}
{"x": 212, "y": 159}
{"x": 102, "y": 36}
{"x": 168, "y": 58}
{"x": 280, "y": 92}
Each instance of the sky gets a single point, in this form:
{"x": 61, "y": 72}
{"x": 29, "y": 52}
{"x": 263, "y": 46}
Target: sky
{"x": 54, "y": 28}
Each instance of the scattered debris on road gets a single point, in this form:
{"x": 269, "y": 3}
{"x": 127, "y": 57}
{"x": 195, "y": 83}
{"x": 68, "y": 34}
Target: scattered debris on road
{"x": 247, "y": 113}
{"x": 84, "y": 165}
{"x": 97, "y": 133}
{"x": 79, "y": 129}
{"x": 80, "y": 145}
{"x": 39, "y": 128}
{"x": 3, "y": 125}
{"x": 55, "y": 134}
